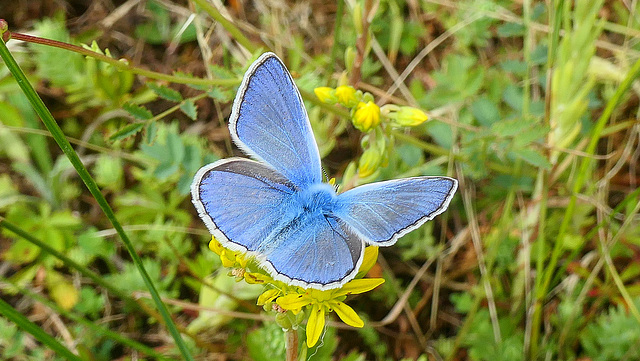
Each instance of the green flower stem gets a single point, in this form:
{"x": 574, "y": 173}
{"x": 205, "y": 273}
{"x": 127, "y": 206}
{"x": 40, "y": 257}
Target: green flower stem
{"x": 66, "y": 147}
{"x": 124, "y": 65}
{"x": 69, "y": 262}
{"x": 175, "y": 108}
{"x": 37, "y": 332}
{"x": 114, "y": 153}
{"x": 228, "y": 25}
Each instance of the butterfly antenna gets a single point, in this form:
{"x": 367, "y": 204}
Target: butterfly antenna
{"x": 331, "y": 181}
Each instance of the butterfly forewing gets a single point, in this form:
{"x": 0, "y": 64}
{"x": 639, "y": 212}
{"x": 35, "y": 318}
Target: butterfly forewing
{"x": 269, "y": 122}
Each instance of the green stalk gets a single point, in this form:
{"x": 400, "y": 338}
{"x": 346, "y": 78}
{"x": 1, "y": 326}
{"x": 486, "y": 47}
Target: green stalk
{"x": 581, "y": 176}
{"x": 543, "y": 178}
{"x": 125, "y": 65}
{"x": 13, "y": 315}
{"x": 634, "y": 72}
{"x": 68, "y": 150}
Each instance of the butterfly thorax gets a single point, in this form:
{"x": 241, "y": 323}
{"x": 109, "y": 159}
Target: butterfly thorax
{"x": 318, "y": 197}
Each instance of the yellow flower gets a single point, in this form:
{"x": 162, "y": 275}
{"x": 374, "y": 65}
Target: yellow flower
{"x": 229, "y": 258}
{"x": 367, "y": 116}
{"x": 283, "y": 297}
{"x": 326, "y": 94}
{"x": 346, "y": 95}
{"x": 322, "y": 302}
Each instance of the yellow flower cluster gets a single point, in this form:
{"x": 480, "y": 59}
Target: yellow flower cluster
{"x": 368, "y": 117}
{"x": 316, "y": 303}
{"x": 365, "y": 114}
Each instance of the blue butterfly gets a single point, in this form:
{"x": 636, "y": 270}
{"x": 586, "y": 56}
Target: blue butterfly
{"x": 276, "y": 207}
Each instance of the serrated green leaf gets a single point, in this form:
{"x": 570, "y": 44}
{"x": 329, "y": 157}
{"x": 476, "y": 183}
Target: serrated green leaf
{"x": 189, "y": 108}
{"x": 165, "y": 92}
{"x": 532, "y": 157}
{"x": 150, "y": 133}
{"x": 138, "y": 111}
{"x": 126, "y": 131}
{"x": 220, "y": 94}
{"x": 158, "y": 152}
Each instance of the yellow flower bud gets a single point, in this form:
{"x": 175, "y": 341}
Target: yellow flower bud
{"x": 369, "y": 162}
{"x": 326, "y": 94}
{"x": 346, "y": 95}
{"x": 367, "y": 116}
{"x": 407, "y": 117}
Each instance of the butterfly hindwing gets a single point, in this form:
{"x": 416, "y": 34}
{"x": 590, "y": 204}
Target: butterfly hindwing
{"x": 382, "y": 212}
{"x": 317, "y": 251}
{"x": 269, "y": 122}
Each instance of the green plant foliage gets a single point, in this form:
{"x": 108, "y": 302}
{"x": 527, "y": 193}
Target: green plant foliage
{"x": 614, "y": 335}
{"x": 527, "y": 106}
{"x": 175, "y": 156}
{"x": 483, "y": 346}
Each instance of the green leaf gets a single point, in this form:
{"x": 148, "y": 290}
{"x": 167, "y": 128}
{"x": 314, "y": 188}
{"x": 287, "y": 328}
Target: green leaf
{"x": 150, "y": 133}
{"x": 138, "y": 111}
{"x": 165, "y": 170}
{"x": 510, "y": 127}
{"x": 126, "y": 131}
{"x": 532, "y": 157}
{"x": 511, "y": 29}
{"x": 220, "y": 94}
{"x": 165, "y": 92}
{"x": 189, "y": 108}
{"x": 485, "y": 111}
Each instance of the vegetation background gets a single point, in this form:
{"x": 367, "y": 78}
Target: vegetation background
{"x": 533, "y": 107}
